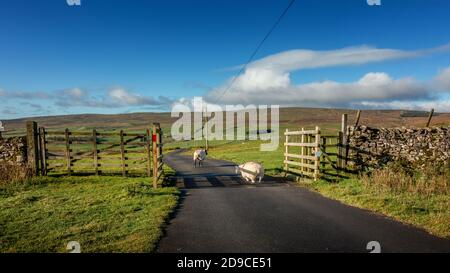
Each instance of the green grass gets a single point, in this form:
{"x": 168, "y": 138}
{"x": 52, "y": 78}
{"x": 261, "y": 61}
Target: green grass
{"x": 243, "y": 151}
{"x": 430, "y": 212}
{"x": 103, "y": 214}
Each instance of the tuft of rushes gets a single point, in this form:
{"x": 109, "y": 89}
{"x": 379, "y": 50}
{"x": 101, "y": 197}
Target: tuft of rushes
{"x": 12, "y": 173}
{"x": 398, "y": 177}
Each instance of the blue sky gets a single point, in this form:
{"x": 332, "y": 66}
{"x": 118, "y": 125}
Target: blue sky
{"x": 122, "y": 56}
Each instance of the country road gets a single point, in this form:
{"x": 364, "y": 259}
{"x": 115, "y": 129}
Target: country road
{"x": 218, "y": 212}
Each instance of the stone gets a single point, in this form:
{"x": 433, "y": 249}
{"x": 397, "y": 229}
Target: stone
{"x": 375, "y": 146}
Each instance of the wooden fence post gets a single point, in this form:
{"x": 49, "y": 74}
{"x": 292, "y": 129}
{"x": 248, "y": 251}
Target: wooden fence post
{"x": 339, "y": 151}
{"x": 286, "y": 151}
{"x": 68, "y": 160}
{"x": 317, "y": 158}
{"x": 43, "y": 151}
{"x": 324, "y": 149}
{"x": 302, "y": 151}
{"x": 149, "y": 153}
{"x": 344, "y": 124}
{"x": 95, "y": 150}
{"x": 159, "y": 142}
{"x": 344, "y": 141}
{"x": 429, "y": 117}
{"x": 122, "y": 153}
{"x": 358, "y": 115}
{"x": 155, "y": 139}
{"x": 32, "y": 147}
{"x": 308, "y": 150}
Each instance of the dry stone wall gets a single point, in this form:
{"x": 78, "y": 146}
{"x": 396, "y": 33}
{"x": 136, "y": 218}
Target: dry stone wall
{"x": 13, "y": 151}
{"x": 374, "y": 147}
{"x": 13, "y": 160}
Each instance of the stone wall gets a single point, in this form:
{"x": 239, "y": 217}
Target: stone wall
{"x": 374, "y": 147}
{"x": 13, "y": 159}
{"x": 13, "y": 150}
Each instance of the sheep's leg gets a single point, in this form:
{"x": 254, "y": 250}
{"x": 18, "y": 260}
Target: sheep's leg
{"x": 195, "y": 163}
{"x": 260, "y": 178}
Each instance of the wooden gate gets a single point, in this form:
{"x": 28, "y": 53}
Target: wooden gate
{"x": 95, "y": 152}
{"x": 302, "y": 152}
{"x": 310, "y": 153}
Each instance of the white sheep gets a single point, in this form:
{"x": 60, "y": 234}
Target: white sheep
{"x": 199, "y": 155}
{"x": 251, "y": 171}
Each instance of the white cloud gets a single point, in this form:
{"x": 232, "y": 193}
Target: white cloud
{"x": 123, "y": 97}
{"x": 273, "y": 71}
{"x": 77, "y": 97}
{"x": 75, "y": 93}
{"x": 306, "y": 59}
{"x": 267, "y": 81}
{"x": 372, "y": 86}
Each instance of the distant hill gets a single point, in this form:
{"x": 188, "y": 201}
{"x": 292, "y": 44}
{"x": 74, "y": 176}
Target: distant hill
{"x": 294, "y": 117}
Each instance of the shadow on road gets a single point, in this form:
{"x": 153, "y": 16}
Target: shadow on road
{"x": 214, "y": 173}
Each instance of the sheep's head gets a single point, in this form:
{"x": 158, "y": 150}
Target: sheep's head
{"x": 239, "y": 167}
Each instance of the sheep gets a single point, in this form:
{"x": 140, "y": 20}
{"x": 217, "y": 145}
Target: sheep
{"x": 199, "y": 155}
{"x": 251, "y": 171}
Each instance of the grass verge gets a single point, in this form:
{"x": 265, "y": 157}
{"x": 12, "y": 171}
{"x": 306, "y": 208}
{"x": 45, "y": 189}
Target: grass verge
{"x": 103, "y": 214}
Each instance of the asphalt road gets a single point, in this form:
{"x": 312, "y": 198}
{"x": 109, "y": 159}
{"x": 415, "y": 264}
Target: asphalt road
{"x": 220, "y": 213}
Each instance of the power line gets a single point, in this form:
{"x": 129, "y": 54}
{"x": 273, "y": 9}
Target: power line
{"x": 256, "y": 50}
{"x": 274, "y": 26}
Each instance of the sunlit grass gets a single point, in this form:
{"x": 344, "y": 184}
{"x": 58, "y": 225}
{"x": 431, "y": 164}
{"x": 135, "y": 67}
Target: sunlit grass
{"x": 103, "y": 214}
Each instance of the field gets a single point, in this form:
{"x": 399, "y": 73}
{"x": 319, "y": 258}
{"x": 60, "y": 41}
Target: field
{"x": 103, "y": 214}
{"x": 295, "y": 117}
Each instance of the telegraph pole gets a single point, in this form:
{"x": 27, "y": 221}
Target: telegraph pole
{"x": 206, "y": 123}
